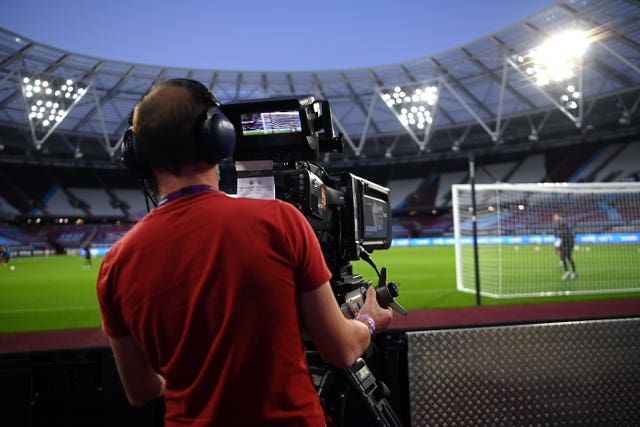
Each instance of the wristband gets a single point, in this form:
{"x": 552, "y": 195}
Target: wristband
{"x": 370, "y": 321}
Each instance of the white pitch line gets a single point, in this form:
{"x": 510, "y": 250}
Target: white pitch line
{"x": 419, "y": 291}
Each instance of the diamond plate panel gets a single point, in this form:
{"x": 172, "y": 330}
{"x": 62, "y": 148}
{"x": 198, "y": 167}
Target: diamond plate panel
{"x": 572, "y": 374}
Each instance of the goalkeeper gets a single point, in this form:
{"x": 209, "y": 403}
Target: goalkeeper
{"x": 564, "y": 246}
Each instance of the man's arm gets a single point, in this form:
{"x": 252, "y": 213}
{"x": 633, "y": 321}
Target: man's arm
{"x": 340, "y": 340}
{"x": 141, "y": 383}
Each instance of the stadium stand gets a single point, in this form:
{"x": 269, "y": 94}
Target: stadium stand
{"x": 400, "y": 190}
{"x": 497, "y": 172}
{"x": 69, "y": 236}
{"x": 98, "y": 200}
{"x": 7, "y": 241}
{"x": 23, "y": 240}
{"x": 532, "y": 169}
{"x": 607, "y": 214}
{"x": 7, "y": 211}
{"x": 134, "y": 200}
{"x": 444, "y": 186}
{"x": 60, "y": 204}
{"x": 23, "y": 190}
{"x": 600, "y": 158}
{"x": 561, "y": 165}
{"x": 436, "y": 225}
{"x": 618, "y": 162}
{"x": 106, "y": 235}
{"x": 61, "y": 195}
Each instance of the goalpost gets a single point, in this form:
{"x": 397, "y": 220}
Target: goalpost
{"x": 517, "y": 241}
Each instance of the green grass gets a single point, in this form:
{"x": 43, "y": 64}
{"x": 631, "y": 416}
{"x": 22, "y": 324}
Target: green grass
{"x": 535, "y": 269}
{"x": 48, "y": 293}
{"x": 427, "y": 277}
{"x": 53, "y": 293}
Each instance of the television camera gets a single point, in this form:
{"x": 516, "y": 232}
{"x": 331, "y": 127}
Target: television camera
{"x": 351, "y": 216}
{"x": 278, "y": 139}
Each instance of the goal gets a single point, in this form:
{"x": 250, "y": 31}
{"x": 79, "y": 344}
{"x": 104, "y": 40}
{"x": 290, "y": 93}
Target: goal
{"x": 517, "y": 245}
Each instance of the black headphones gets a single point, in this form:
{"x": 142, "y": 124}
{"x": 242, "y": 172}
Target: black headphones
{"x": 214, "y": 136}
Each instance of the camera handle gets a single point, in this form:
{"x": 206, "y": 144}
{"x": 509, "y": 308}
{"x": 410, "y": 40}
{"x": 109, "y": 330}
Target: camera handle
{"x": 386, "y": 293}
{"x": 351, "y": 289}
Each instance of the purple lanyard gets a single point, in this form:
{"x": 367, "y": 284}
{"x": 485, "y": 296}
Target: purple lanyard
{"x": 191, "y": 189}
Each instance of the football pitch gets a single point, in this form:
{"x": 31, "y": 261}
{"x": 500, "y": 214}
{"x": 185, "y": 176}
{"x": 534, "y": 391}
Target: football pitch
{"x": 527, "y": 270}
{"x": 57, "y": 292}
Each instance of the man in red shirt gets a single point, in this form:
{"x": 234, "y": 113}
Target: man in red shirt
{"x": 204, "y": 301}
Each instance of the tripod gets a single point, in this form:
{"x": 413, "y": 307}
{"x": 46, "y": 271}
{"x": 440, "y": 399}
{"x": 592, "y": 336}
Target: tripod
{"x": 335, "y": 386}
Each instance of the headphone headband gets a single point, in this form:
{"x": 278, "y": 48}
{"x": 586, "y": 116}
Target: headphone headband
{"x": 195, "y": 87}
{"x": 214, "y": 134}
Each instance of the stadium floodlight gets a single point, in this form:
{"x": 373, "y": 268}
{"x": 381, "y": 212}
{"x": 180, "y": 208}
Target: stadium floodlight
{"x": 555, "y": 67}
{"x": 414, "y": 106}
{"x": 48, "y": 100}
{"x": 625, "y": 118}
{"x": 557, "y": 59}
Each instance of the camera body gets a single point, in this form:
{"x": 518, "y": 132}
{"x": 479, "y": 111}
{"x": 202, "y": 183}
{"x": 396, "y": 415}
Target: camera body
{"x": 350, "y": 215}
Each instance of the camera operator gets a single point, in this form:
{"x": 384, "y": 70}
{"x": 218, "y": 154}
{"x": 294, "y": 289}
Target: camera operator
{"x": 205, "y": 300}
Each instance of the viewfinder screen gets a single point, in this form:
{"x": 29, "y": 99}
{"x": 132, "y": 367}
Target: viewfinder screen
{"x": 271, "y": 123}
{"x": 376, "y": 218}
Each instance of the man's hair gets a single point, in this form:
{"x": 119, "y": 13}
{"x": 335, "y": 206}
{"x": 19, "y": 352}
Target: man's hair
{"x": 167, "y": 123}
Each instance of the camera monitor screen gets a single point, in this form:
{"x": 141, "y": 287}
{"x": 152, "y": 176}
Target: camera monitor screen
{"x": 278, "y": 129}
{"x": 270, "y": 123}
{"x": 375, "y": 218}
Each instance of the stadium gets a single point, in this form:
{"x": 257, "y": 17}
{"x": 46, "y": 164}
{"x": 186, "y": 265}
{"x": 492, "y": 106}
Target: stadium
{"x": 479, "y": 145}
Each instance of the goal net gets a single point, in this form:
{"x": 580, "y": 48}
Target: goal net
{"x": 520, "y": 247}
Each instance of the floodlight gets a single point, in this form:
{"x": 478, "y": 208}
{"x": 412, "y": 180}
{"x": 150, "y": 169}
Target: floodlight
{"x": 557, "y": 59}
{"x": 555, "y": 67}
{"x": 413, "y": 105}
{"x": 625, "y": 119}
{"x": 48, "y": 99}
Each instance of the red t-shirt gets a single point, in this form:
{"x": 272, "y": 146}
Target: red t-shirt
{"x": 207, "y": 285}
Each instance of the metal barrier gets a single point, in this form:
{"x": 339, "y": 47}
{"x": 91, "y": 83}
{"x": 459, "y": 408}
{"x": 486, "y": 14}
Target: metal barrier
{"x": 583, "y": 373}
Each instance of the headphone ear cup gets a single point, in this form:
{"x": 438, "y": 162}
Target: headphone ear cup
{"x": 217, "y": 138}
{"x": 132, "y": 158}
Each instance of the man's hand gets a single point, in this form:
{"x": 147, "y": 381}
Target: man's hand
{"x": 381, "y": 316}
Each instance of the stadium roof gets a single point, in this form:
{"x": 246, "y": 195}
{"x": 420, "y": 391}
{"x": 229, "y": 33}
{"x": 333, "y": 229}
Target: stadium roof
{"x": 486, "y": 95}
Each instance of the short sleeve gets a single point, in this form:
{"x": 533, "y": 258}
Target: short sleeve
{"x": 113, "y": 324}
{"x": 311, "y": 269}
